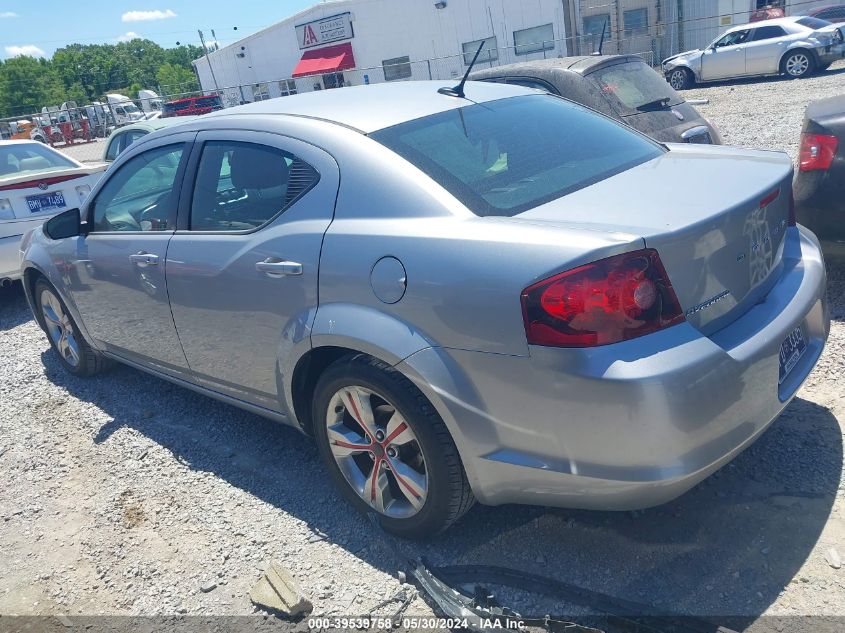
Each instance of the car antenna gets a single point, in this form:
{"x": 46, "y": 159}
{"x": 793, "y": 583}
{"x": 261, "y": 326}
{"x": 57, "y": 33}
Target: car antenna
{"x": 601, "y": 41}
{"x": 458, "y": 91}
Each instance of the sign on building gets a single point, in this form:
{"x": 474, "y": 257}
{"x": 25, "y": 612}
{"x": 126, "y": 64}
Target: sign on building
{"x": 332, "y": 29}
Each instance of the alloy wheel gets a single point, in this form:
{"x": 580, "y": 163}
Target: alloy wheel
{"x": 797, "y": 64}
{"x": 377, "y": 452}
{"x": 678, "y": 79}
{"x": 60, "y": 328}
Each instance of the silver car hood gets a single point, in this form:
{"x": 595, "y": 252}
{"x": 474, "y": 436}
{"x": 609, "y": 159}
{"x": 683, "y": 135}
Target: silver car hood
{"x": 691, "y": 53}
{"x": 705, "y": 210}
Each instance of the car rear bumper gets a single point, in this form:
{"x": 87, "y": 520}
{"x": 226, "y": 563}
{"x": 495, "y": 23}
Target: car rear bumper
{"x": 11, "y": 232}
{"x": 633, "y": 424}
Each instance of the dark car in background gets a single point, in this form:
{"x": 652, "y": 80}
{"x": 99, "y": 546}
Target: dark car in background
{"x": 819, "y": 184}
{"x": 831, "y": 14}
{"x": 623, "y": 87}
{"x": 192, "y": 106}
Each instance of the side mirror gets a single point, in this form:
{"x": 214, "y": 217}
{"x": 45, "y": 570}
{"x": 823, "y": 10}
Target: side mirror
{"x": 66, "y": 224}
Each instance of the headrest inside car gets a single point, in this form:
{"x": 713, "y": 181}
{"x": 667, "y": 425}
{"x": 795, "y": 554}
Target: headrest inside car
{"x": 253, "y": 168}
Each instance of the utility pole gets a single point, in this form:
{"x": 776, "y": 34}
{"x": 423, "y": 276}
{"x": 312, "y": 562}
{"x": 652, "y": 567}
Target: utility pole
{"x": 210, "y": 67}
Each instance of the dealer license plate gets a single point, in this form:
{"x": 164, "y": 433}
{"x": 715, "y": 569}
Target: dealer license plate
{"x": 791, "y": 351}
{"x": 46, "y": 202}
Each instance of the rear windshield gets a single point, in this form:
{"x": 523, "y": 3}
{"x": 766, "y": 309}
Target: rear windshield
{"x": 634, "y": 87}
{"x": 30, "y": 158}
{"x": 813, "y": 23}
{"x": 504, "y": 157}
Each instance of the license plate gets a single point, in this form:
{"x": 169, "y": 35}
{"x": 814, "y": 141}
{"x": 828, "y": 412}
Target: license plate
{"x": 46, "y": 201}
{"x": 791, "y": 351}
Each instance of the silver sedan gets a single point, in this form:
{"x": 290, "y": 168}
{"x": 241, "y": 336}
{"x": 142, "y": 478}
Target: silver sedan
{"x": 794, "y": 46}
{"x": 501, "y": 296}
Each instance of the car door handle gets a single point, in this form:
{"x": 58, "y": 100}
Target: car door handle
{"x": 144, "y": 259}
{"x": 274, "y": 267}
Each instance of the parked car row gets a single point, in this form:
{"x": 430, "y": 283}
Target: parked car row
{"x": 506, "y": 308}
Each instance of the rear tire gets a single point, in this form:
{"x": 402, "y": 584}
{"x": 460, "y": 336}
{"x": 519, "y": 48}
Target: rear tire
{"x": 422, "y": 457}
{"x": 798, "y": 64}
{"x": 74, "y": 353}
{"x": 681, "y": 78}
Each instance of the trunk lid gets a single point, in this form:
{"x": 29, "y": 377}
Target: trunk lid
{"x": 716, "y": 215}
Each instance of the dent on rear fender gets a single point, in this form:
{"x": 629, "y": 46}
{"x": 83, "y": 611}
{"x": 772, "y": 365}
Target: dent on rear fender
{"x": 368, "y": 330}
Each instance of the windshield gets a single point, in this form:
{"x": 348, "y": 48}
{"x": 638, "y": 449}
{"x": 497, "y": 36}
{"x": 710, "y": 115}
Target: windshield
{"x": 130, "y": 107}
{"x": 633, "y": 85}
{"x": 504, "y": 157}
{"x": 813, "y": 23}
{"x": 23, "y": 159}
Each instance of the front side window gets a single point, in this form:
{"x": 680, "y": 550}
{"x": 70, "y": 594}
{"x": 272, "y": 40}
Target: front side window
{"x": 732, "y": 39}
{"x": 242, "y": 186}
{"x": 767, "y": 33}
{"x": 397, "y": 68}
{"x": 534, "y": 40}
{"x": 489, "y": 53}
{"x": 141, "y": 195}
{"x": 503, "y": 157}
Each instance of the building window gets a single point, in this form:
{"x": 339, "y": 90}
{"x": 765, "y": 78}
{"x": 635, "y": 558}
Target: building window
{"x": 287, "y": 87}
{"x": 595, "y": 24}
{"x": 397, "y": 68}
{"x": 260, "y": 92}
{"x": 534, "y": 40}
{"x": 489, "y": 53}
{"x": 636, "y": 22}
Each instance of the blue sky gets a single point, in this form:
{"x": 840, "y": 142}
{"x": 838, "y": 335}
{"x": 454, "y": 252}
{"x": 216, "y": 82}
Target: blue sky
{"x": 38, "y": 27}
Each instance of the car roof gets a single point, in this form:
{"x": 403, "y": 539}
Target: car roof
{"x": 374, "y": 107}
{"x": 155, "y": 124}
{"x": 792, "y": 19}
{"x": 581, "y": 64}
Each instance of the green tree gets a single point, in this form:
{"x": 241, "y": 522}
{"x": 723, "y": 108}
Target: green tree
{"x": 27, "y": 84}
{"x": 175, "y": 79}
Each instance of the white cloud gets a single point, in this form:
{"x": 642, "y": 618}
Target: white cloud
{"x": 145, "y": 16}
{"x": 127, "y": 37}
{"x": 8, "y": 14}
{"x": 29, "y": 50}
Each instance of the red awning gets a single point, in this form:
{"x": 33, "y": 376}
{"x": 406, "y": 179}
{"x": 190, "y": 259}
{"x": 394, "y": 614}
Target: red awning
{"x": 330, "y": 59}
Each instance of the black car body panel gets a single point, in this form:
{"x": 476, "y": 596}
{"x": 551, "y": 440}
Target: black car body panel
{"x": 620, "y": 86}
{"x": 820, "y": 194}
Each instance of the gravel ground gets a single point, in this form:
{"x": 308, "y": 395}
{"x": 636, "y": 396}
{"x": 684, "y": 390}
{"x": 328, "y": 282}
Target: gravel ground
{"x": 127, "y": 495}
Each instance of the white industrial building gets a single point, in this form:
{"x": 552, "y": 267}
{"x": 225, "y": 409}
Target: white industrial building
{"x": 351, "y": 42}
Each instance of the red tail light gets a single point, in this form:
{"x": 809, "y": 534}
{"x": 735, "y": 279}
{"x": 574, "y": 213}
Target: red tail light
{"x": 817, "y": 151}
{"x": 611, "y": 300}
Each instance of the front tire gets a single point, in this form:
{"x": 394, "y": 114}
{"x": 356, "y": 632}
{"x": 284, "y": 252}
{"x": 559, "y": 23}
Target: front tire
{"x": 798, "y": 64}
{"x": 387, "y": 449}
{"x": 680, "y": 78}
{"x": 74, "y": 353}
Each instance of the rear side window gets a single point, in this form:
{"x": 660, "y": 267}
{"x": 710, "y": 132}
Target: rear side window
{"x": 767, "y": 33}
{"x": 634, "y": 86}
{"x": 504, "y": 157}
{"x": 242, "y": 186}
{"x": 812, "y": 23}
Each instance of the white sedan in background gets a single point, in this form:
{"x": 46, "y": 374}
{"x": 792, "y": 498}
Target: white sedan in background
{"x": 795, "y": 46}
{"x": 36, "y": 182}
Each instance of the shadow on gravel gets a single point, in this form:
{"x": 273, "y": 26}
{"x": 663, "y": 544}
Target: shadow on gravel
{"x": 770, "y": 79}
{"x": 728, "y": 547}
{"x": 14, "y": 310}
{"x": 836, "y": 288}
